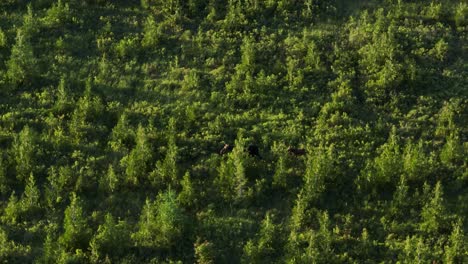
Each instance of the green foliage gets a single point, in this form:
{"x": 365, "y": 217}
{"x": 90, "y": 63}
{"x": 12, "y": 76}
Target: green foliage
{"x": 230, "y": 233}
{"x": 452, "y": 151}
{"x": 122, "y": 135}
{"x": 63, "y": 98}
{"x": 4, "y": 182}
{"x": 433, "y": 10}
{"x": 29, "y": 202}
{"x": 416, "y": 250}
{"x": 456, "y": 250}
{"x": 110, "y": 181}
{"x": 112, "y": 115}
{"x": 313, "y": 246}
{"x": 25, "y": 151}
{"x": 30, "y": 24}
{"x": 111, "y": 241}
{"x": 461, "y": 13}
{"x": 161, "y": 222}
{"x": 11, "y": 252}
{"x": 319, "y": 172}
{"x": 231, "y": 179}
{"x": 280, "y": 177}
{"x": 416, "y": 164}
{"x": 11, "y": 210}
{"x": 76, "y": 233}
{"x": 3, "y": 39}
{"x": 401, "y": 195}
{"x": 187, "y": 196}
{"x": 59, "y": 184}
{"x": 387, "y": 166}
{"x": 22, "y": 65}
{"x": 204, "y": 252}
{"x": 266, "y": 246}
{"x": 166, "y": 169}
{"x": 59, "y": 14}
{"x": 50, "y": 250}
{"x": 434, "y": 213}
{"x": 137, "y": 161}
{"x": 152, "y": 33}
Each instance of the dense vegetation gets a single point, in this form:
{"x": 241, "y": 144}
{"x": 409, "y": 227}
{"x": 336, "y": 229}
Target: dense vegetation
{"x": 112, "y": 114}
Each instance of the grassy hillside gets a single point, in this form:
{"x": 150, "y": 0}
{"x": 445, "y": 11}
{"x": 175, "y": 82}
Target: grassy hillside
{"x": 113, "y": 113}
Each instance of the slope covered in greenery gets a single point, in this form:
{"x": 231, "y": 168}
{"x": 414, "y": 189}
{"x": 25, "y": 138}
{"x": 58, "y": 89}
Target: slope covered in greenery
{"x": 112, "y": 114}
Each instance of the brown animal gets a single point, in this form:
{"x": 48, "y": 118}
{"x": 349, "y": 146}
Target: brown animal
{"x": 296, "y": 151}
{"x": 226, "y": 149}
{"x": 253, "y": 151}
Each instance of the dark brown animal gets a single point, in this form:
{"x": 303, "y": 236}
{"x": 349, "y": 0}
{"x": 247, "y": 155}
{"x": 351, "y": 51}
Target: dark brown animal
{"x": 296, "y": 151}
{"x": 253, "y": 151}
{"x": 226, "y": 149}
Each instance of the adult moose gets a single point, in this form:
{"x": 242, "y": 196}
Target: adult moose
{"x": 251, "y": 149}
{"x": 296, "y": 151}
{"x": 226, "y": 149}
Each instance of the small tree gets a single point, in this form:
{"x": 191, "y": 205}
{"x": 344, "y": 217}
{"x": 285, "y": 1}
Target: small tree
{"x": 76, "y": 233}
{"x": 147, "y": 226}
{"x": 137, "y": 162}
{"x": 434, "y": 213}
{"x": 30, "y": 23}
{"x": 12, "y": 210}
{"x": 152, "y": 34}
{"x": 187, "y": 196}
{"x": 224, "y": 181}
{"x": 49, "y": 250}
{"x": 235, "y": 17}
{"x": 388, "y": 165}
{"x": 281, "y": 173}
{"x": 400, "y": 197}
{"x": 58, "y": 14}
{"x": 3, "y": 39}
{"x": 457, "y": 250}
{"x": 63, "y": 97}
{"x": 59, "y": 183}
{"x": 4, "y": 182}
{"x": 22, "y": 65}
{"x": 231, "y": 179}
{"x": 161, "y": 222}
{"x": 204, "y": 252}
{"x": 296, "y": 224}
{"x": 110, "y": 181}
{"x": 238, "y": 161}
{"x": 25, "y": 151}
{"x": 30, "y": 199}
{"x": 112, "y": 240}
{"x": 266, "y": 246}
{"x": 122, "y": 135}
{"x": 386, "y": 168}
{"x": 416, "y": 250}
{"x": 319, "y": 171}
{"x": 166, "y": 169}
{"x": 170, "y": 218}
{"x": 11, "y": 252}
{"x": 461, "y": 14}
{"x": 452, "y": 151}
{"x": 415, "y": 164}
{"x": 324, "y": 236}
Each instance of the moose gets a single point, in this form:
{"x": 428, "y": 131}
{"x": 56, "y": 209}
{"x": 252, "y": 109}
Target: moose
{"x": 226, "y": 149}
{"x": 296, "y": 151}
{"x": 251, "y": 149}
